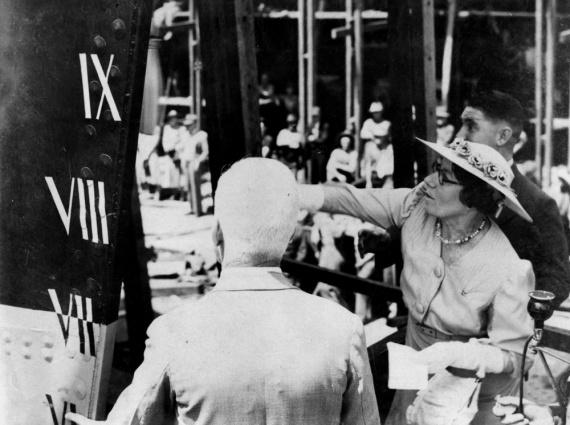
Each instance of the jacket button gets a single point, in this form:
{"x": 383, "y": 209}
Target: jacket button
{"x": 419, "y": 308}
{"x": 438, "y": 272}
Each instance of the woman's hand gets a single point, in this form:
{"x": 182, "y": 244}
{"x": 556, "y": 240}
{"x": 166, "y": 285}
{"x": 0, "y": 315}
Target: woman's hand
{"x": 472, "y": 355}
{"x": 533, "y": 414}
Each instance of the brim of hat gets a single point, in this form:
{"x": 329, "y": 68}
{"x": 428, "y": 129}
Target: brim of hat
{"x": 511, "y": 200}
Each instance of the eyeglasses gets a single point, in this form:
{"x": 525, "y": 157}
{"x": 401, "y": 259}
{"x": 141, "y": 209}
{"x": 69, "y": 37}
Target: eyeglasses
{"x": 441, "y": 175}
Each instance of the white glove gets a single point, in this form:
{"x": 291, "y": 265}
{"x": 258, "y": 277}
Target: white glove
{"x": 534, "y": 414}
{"x": 81, "y": 420}
{"x": 472, "y": 355}
{"x": 448, "y": 399}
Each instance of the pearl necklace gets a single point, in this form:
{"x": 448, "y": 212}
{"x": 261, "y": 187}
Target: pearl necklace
{"x": 457, "y": 241}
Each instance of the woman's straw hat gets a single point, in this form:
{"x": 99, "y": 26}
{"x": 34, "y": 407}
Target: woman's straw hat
{"x": 484, "y": 162}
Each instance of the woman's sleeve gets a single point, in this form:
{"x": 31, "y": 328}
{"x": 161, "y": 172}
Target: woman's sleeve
{"x": 509, "y": 322}
{"x": 384, "y": 208}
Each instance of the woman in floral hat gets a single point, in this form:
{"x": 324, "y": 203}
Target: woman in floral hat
{"x": 463, "y": 283}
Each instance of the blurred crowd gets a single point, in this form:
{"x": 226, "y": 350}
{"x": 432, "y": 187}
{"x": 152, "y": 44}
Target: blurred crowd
{"x": 174, "y": 161}
{"x": 317, "y": 156}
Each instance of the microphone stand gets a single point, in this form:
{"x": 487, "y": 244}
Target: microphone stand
{"x": 540, "y": 309}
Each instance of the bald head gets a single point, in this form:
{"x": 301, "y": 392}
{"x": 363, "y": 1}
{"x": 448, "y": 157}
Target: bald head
{"x": 256, "y": 205}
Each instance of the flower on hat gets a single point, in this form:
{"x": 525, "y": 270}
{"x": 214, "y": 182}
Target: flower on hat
{"x": 502, "y": 177}
{"x": 461, "y": 147}
{"x": 491, "y": 170}
{"x": 476, "y": 160}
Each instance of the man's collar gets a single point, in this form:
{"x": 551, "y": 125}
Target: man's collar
{"x": 511, "y": 162}
{"x": 252, "y": 279}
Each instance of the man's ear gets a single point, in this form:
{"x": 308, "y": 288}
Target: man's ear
{"x": 217, "y": 235}
{"x": 218, "y": 239}
{"x": 504, "y": 135}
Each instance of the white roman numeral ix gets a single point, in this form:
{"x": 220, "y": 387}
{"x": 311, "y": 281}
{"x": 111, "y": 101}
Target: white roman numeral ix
{"x": 95, "y": 208}
{"x": 104, "y": 79}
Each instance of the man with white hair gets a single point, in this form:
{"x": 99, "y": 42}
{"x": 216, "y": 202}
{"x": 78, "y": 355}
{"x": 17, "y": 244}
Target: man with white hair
{"x": 255, "y": 350}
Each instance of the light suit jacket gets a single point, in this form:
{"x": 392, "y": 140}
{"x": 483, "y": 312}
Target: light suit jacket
{"x": 255, "y": 350}
{"x": 484, "y": 293}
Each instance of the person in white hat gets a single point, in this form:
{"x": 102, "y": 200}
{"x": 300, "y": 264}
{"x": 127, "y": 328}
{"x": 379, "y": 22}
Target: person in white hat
{"x": 378, "y": 161}
{"x": 194, "y": 156}
{"x": 461, "y": 278}
{"x": 172, "y": 133}
{"x": 377, "y": 122}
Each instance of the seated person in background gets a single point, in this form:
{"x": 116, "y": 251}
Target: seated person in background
{"x": 462, "y": 282}
{"x": 317, "y": 145}
{"x": 290, "y": 99}
{"x": 343, "y": 160}
{"x": 256, "y": 349}
{"x": 194, "y": 147}
{"x": 171, "y": 134}
{"x": 378, "y": 161}
{"x": 377, "y": 122}
{"x": 289, "y": 142}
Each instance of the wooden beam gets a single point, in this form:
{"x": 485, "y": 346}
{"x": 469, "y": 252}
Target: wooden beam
{"x": 311, "y": 59}
{"x": 343, "y": 280}
{"x": 197, "y": 67}
{"x": 423, "y": 42}
{"x": 347, "y": 29}
{"x": 357, "y": 88}
{"x": 301, "y": 46}
{"x": 401, "y": 90}
{"x": 230, "y": 82}
{"x": 448, "y": 52}
{"x": 550, "y": 59}
{"x": 538, "y": 65}
{"x": 321, "y": 14}
{"x": 348, "y": 55}
{"x": 564, "y": 38}
{"x": 191, "y": 48}
{"x": 181, "y": 26}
